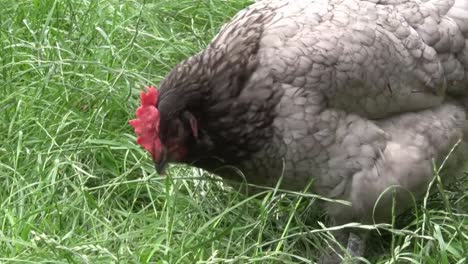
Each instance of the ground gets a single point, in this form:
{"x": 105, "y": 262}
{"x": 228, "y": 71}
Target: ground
{"x": 76, "y": 188}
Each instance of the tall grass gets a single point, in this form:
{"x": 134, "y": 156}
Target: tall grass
{"x": 74, "y": 187}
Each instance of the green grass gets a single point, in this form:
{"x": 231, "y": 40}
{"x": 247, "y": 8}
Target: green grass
{"x": 75, "y": 188}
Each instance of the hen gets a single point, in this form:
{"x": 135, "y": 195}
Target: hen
{"x": 356, "y": 96}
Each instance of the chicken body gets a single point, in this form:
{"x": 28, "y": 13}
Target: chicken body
{"x": 364, "y": 94}
{"x": 358, "y": 96}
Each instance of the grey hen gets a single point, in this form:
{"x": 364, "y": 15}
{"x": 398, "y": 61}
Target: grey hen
{"x": 357, "y": 96}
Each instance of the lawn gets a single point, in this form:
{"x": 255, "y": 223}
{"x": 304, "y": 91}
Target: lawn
{"x": 75, "y": 187}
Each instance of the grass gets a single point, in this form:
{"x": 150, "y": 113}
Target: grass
{"x": 75, "y": 188}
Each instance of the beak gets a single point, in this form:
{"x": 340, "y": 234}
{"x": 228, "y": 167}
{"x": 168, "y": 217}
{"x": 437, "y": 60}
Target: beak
{"x": 160, "y": 165}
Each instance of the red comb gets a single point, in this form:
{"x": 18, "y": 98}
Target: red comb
{"x": 147, "y": 123}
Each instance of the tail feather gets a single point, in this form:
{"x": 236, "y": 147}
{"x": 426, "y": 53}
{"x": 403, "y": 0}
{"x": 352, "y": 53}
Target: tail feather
{"x": 459, "y": 13}
{"x": 449, "y": 40}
